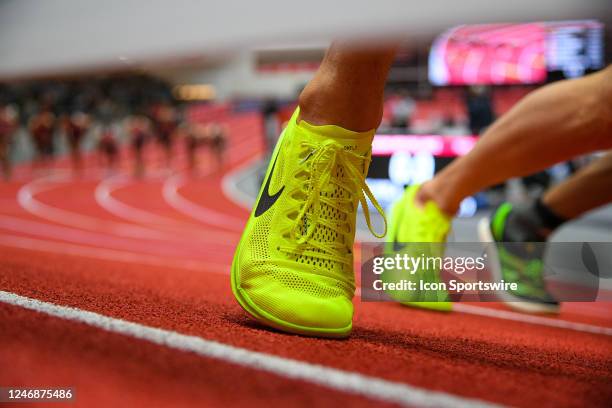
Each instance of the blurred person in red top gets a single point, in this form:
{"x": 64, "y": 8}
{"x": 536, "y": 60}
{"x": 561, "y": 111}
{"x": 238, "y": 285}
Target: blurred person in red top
{"x": 75, "y": 127}
{"x": 42, "y": 128}
{"x": 196, "y": 136}
{"x": 217, "y": 136}
{"x": 139, "y": 130}
{"x": 107, "y": 148}
{"x": 165, "y": 122}
{"x": 212, "y": 135}
{"x": 8, "y": 125}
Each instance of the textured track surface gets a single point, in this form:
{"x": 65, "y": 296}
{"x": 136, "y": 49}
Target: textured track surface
{"x": 156, "y": 252}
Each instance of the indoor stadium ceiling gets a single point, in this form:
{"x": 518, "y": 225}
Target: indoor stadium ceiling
{"x": 48, "y": 38}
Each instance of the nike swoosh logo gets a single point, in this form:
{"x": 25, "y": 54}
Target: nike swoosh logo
{"x": 266, "y": 201}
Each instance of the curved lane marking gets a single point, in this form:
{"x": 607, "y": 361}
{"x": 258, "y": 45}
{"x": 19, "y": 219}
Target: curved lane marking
{"x": 26, "y": 197}
{"x": 104, "y": 197}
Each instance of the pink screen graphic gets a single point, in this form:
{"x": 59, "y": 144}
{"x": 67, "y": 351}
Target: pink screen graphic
{"x": 489, "y": 54}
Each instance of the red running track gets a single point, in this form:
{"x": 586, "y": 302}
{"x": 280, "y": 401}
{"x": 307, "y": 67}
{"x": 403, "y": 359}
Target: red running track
{"x": 156, "y": 252}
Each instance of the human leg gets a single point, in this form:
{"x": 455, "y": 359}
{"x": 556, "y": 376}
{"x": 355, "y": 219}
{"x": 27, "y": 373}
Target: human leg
{"x": 293, "y": 268}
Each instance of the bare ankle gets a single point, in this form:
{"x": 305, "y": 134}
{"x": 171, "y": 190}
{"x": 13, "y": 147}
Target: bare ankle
{"x": 323, "y": 103}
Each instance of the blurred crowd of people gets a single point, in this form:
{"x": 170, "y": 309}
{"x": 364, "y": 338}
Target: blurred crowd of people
{"x": 101, "y": 115}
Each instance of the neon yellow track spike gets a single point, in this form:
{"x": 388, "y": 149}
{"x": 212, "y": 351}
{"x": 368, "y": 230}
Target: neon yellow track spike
{"x": 409, "y": 222}
{"x": 293, "y": 268}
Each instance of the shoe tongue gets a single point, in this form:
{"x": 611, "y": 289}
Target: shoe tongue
{"x": 356, "y": 142}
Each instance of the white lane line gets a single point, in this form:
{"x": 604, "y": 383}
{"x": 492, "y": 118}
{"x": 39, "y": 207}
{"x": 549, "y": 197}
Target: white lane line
{"x": 112, "y": 255}
{"x": 26, "y": 197}
{"x": 340, "y": 380}
{"x": 104, "y": 198}
{"x": 200, "y": 213}
{"x": 533, "y": 319}
{"x": 170, "y": 192}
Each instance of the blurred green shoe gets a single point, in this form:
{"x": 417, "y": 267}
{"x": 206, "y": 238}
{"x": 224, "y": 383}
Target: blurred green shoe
{"x": 516, "y": 262}
{"x": 419, "y": 230}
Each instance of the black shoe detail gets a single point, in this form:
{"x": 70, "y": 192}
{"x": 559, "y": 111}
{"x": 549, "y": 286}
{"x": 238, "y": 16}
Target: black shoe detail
{"x": 266, "y": 201}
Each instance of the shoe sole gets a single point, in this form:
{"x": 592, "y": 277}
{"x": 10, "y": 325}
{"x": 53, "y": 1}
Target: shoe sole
{"x": 261, "y": 315}
{"x": 515, "y": 302}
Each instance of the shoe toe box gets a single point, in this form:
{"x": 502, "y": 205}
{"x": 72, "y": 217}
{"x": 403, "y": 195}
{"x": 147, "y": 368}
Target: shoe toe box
{"x": 295, "y": 303}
